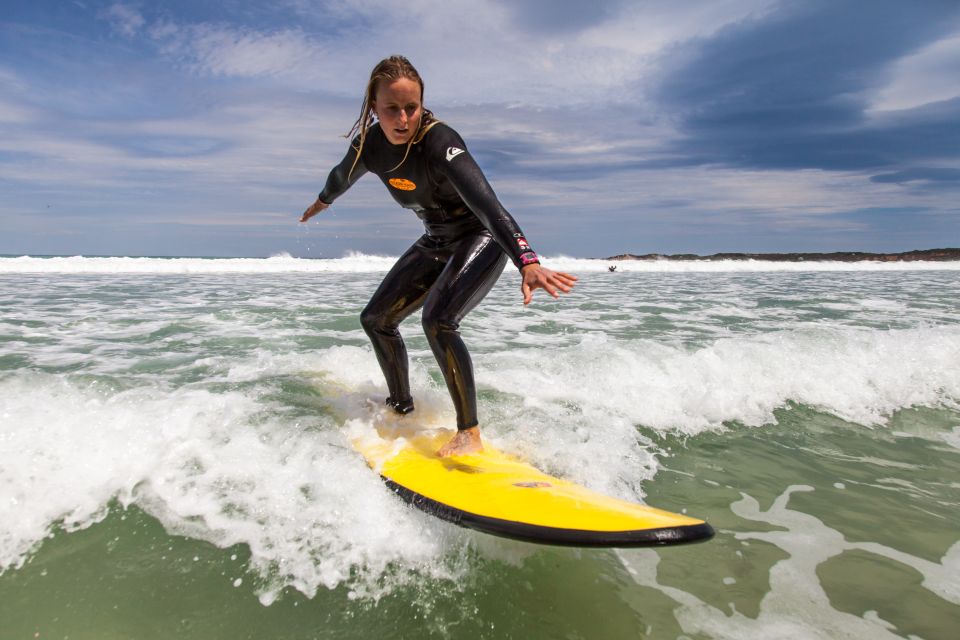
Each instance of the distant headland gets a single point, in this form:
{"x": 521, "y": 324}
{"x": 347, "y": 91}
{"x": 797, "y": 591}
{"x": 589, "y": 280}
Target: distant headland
{"x": 932, "y": 255}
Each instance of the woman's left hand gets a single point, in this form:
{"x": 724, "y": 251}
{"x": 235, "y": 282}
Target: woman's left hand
{"x": 537, "y": 277}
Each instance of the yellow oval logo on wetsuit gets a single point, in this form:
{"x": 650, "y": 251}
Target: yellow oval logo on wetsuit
{"x": 402, "y": 184}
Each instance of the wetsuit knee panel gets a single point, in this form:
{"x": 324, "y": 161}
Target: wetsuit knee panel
{"x": 374, "y": 322}
{"x": 436, "y": 323}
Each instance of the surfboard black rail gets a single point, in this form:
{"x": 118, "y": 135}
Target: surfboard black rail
{"x": 685, "y": 534}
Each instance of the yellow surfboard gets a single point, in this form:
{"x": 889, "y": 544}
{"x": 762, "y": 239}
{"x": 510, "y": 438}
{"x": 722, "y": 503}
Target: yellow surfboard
{"x": 496, "y": 493}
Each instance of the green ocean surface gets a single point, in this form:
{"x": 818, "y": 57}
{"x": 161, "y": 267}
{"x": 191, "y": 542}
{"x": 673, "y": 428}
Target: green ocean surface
{"x": 174, "y": 459}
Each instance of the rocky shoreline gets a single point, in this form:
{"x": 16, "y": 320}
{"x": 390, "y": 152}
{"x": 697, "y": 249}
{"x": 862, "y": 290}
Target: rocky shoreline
{"x": 931, "y": 255}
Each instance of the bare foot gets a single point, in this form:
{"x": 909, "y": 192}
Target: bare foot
{"x": 465, "y": 442}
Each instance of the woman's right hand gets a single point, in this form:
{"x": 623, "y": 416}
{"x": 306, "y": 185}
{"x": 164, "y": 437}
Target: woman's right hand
{"x": 313, "y": 210}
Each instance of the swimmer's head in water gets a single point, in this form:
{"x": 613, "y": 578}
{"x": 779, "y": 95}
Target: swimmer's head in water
{"x": 395, "y": 95}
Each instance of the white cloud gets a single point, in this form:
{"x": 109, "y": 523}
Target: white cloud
{"x": 11, "y": 110}
{"x": 469, "y": 51}
{"x": 564, "y": 114}
{"x": 14, "y": 113}
{"x": 646, "y": 29}
{"x": 786, "y": 199}
{"x": 225, "y": 51}
{"x": 242, "y": 145}
{"x": 929, "y": 75}
{"x": 12, "y": 81}
{"x": 124, "y": 19}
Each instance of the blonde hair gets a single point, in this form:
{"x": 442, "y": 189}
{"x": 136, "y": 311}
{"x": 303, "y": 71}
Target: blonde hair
{"x": 389, "y": 70}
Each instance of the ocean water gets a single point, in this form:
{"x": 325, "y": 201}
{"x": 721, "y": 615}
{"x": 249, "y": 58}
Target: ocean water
{"x": 175, "y": 458}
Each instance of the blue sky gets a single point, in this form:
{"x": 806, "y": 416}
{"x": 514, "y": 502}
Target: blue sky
{"x": 205, "y": 128}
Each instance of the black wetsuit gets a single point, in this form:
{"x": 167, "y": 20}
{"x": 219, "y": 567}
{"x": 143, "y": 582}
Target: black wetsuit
{"x": 449, "y": 269}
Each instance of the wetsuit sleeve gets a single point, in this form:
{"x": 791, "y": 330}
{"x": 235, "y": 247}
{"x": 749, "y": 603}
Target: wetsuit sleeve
{"x": 341, "y": 178}
{"x": 450, "y": 156}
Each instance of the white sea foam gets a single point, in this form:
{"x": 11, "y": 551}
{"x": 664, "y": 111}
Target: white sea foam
{"x": 859, "y": 375}
{"x": 283, "y": 263}
{"x": 171, "y": 393}
{"x": 796, "y": 606}
{"x": 952, "y": 437}
{"x": 228, "y": 467}
{"x": 211, "y": 466}
{"x": 355, "y": 262}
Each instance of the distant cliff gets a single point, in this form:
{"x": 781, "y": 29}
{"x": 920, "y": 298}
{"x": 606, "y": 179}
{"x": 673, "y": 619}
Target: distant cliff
{"x": 933, "y": 255}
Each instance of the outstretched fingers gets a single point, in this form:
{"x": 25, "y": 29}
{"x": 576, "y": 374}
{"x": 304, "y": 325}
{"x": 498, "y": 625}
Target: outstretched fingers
{"x": 313, "y": 210}
{"x": 553, "y": 282}
{"x": 564, "y": 281}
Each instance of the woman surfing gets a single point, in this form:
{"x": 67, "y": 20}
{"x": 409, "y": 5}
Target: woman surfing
{"x": 426, "y": 167}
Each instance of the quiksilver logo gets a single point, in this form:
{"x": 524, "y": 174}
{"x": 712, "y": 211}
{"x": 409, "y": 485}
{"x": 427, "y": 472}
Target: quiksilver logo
{"x": 453, "y": 152}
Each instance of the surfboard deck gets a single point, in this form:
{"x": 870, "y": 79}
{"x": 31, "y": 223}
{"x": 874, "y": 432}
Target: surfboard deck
{"x": 499, "y": 494}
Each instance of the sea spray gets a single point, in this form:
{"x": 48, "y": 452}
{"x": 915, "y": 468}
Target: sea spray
{"x": 220, "y": 467}
{"x": 222, "y": 404}
{"x": 356, "y": 262}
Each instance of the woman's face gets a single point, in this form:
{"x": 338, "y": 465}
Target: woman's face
{"x": 397, "y": 105}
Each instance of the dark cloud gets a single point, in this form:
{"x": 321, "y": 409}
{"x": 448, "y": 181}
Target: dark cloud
{"x": 561, "y": 15}
{"x": 922, "y": 174}
{"x": 790, "y": 90}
